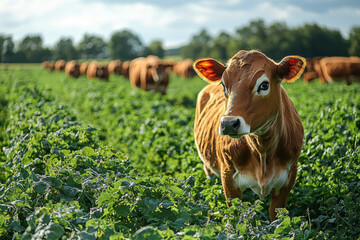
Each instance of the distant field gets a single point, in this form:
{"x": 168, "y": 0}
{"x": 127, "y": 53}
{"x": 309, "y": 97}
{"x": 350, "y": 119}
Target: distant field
{"x": 97, "y": 160}
{"x": 19, "y": 66}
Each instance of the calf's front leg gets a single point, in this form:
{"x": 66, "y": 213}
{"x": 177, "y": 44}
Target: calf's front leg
{"x": 228, "y": 183}
{"x": 278, "y": 199}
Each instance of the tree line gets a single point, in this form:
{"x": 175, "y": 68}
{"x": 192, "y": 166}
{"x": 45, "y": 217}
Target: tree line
{"x": 124, "y": 45}
{"x": 276, "y": 40}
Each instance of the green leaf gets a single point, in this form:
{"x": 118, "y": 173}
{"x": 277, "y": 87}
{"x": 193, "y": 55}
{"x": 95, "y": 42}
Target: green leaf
{"x": 39, "y": 187}
{"x": 145, "y": 233}
{"x": 88, "y": 151}
{"x": 242, "y": 228}
{"x": 16, "y": 227}
{"x": 104, "y": 197}
{"x": 122, "y": 210}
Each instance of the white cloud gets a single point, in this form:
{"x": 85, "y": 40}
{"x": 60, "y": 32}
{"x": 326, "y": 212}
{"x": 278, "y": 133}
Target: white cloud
{"x": 173, "y": 25}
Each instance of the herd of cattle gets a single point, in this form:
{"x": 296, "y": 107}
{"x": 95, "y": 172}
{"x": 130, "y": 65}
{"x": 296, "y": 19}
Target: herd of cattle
{"x": 152, "y": 73}
{"x": 147, "y": 73}
{"x": 330, "y": 69}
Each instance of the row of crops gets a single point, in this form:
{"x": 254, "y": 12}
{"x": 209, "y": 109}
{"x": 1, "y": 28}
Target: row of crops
{"x": 84, "y": 159}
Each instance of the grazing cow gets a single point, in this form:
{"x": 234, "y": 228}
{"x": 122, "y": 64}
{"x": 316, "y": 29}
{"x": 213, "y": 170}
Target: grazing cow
{"x": 83, "y": 68}
{"x": 247, "y": 131}
{"x": 72, "y": 69}
{"x": 48, "y": 65}
{"x": 184, "y": 69}
{"x": 149, "y": 74}
{"x": 340, "y": 68}
{"x": 125, "y": 69}
{"x": 114, "y": 67}
{"x": 60, "y": 65}
{"x": 97, "y": 70}
{"x": 45, "y": 64}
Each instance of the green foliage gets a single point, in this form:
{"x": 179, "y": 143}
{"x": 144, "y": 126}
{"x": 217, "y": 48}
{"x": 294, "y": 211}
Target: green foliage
{"x": 62, "y": 178}
{"x": 354, "y": 40}
{"x": 125, "y": 45}
{"x": 155, "y": 48}
{"x": 64, "y": 49}
{"x": 92, "y": 46}
{"x": 276, "y": 40}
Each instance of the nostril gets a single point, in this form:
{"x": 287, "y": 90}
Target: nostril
{"x": 236, "y": 124}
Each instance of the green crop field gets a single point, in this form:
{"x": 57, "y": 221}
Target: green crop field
{"x": 87, "y": 159}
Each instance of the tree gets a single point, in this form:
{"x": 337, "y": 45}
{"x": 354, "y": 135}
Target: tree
{"x": 199, "y": 46}
{"x": 354, "y": 40}
{"x": 155, "y": 48}
{"x": 219, "y": 46}
{"x": 6, "y": 48}
{"x": 312, "y": 40}
{"x": 64, "y": 49}
{"x": 92, "y": 46}
{"x": 125, "y": 45}
{"x": 32, "y": 50}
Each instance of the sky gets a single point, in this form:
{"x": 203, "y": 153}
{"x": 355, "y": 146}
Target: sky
{"x": 172, "y": 22}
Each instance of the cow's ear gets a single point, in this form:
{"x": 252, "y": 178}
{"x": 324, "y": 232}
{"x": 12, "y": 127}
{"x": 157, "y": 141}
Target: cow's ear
{"x": 209, "y": 69}
{"x": 290, "y": 68}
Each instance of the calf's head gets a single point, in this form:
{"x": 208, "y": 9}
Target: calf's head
{"x": 158, "y": 71}
{"x": 251, "y": 84}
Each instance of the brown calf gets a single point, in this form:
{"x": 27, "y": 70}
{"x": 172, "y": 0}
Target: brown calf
{"x": 125, "y": 69}
{"x": 114, "y": 67}
{"x": 184, "y": 69}
{"x": 247, "y": 131}
{"x": 340, "y": 68}
{"x": 149, "y": 74}
{"x": 59, "y": 65}
{"x": 97, "y": 70}
{"x": 72, "y": 69}
{"x": 83, "y": 68}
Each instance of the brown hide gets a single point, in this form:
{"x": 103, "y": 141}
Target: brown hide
{"x": 45, "y": 64}
{"x": 60, "y": 65}
{"x": 261, "y": 151}
{"x": 125, "y": 69}
{"x": 48, "y": 65}
{"x": 309, "y": 76}
{"x": 114, "y": 67}
{"x": 83, "y": 68}
{"x": 97, "y": 70}
{"x": 184, "y": 69}
{"x": 149, "y": 74}
{"x": 72, "y": 69}
{"x": 340, "y": 68}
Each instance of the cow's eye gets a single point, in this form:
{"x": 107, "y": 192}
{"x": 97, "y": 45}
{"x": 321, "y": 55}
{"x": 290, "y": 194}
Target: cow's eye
{"x": 224, "y": 89}
{"x": 263, "y": 86}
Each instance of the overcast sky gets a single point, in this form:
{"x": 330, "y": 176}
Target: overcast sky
{"x": 173, "y": 22}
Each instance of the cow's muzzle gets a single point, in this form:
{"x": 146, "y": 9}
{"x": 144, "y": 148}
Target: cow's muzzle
{"x": 233, "y": 126}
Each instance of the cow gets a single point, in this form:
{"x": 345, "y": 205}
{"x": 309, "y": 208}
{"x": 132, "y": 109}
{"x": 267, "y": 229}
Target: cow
{"x": 313, "y": 70}
{"x": 60, "y": 65}
{"x": 83, "y": 68}
{"x": 247, "y": 131}
{"x": 45, "y": 64}
{"x": 48, "y": 65}
{"x": 125, "y": 69}
{"x": 114, "y": 67}
{"x": 97, "y": 70}
{"x": 184, "y": 69}
{"x": 72, "y": 69}
{"x": 149, "y": 74}
{"x": 340, "y": 68}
